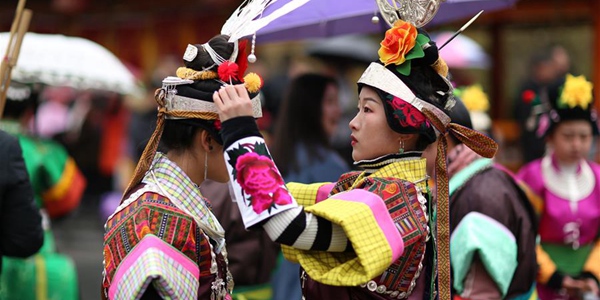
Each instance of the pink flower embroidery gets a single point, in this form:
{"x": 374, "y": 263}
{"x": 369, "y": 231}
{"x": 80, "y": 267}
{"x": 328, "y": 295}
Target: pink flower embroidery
{"x": 408, "y": 115}
{"x": 259, "y": 178}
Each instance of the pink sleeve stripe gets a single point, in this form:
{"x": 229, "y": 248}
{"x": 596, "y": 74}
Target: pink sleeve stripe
{"x": 381, "y": 214}
{"x": 323, "y": 192}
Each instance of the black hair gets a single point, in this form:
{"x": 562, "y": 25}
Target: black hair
{"x": 178, "y": 135}
{"x": 460, "y": 115}
{"x": 553, "y": 93}
{"x": 300, "y": 121}
{"x": 20, "y": 99}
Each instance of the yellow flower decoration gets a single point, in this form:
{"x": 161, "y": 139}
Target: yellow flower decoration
{"x": 577, "y": 91}
{"x": 475, "y": 98}
{"x": 253, "y": 82}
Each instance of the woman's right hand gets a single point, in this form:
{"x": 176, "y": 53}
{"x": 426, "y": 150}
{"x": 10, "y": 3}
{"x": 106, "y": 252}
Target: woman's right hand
{"x": 591, "y": 286}
{"x": 573, "y": 287}
{"x": 232, "y": 101}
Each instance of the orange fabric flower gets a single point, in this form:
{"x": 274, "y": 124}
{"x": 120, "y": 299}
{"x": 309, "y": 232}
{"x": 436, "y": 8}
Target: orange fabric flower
{"x": 398, "y": 41}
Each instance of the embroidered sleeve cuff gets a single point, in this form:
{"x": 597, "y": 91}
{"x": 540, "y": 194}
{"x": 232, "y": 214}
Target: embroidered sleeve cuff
{"x": 255, "y": 182}
{"x": 556, "y": 280}
{"x": 238, "y": 128}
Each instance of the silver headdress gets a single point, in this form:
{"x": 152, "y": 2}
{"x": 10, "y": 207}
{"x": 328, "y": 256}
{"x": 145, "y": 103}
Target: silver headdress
{"x": 417, "y": 12}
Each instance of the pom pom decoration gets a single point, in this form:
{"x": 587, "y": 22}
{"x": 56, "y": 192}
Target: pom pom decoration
{"x": 253, "y": 82}
{"x": 528, "y": 96}
{"x": 228, "y": 71}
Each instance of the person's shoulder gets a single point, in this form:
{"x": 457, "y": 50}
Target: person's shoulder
{"x": 8, "y": 140}
{"x": 532, "y": 167}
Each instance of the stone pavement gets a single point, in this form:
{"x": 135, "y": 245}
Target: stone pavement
{"x": 80, "y": 237}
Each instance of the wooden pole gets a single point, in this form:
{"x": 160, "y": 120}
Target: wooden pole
{"x": 18, "y": 29}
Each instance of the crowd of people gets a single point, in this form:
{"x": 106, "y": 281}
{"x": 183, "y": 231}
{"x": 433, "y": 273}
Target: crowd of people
{"x": 424, "y": 211}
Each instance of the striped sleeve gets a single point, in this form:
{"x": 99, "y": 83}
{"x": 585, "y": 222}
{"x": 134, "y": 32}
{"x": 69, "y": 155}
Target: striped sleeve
{"x": 305, "y": 231}
{"x": 262, "y": 197}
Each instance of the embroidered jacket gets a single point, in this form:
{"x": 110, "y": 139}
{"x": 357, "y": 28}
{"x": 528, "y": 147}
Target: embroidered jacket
{"x": 363, "y": 237}
{"x": 165, "y": 234}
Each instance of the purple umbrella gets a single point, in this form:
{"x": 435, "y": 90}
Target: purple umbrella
{"x": 326, "y": 18}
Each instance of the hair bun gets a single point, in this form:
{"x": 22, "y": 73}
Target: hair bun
{"x": 431, "y": 54}
{"x": 203, "y": 61}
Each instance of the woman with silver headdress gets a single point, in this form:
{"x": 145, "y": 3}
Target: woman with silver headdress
{"x": 371, "y": 234}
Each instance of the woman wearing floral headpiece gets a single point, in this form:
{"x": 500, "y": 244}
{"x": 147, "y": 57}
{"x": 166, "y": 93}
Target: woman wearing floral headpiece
{"x": 371, "y": 234}
{"x": 567, "y": 187}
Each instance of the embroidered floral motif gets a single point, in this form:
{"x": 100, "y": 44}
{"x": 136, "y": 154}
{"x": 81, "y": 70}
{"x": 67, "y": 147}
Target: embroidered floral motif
{"x": 258, "y": 177}
{"x": 408, "y": 115}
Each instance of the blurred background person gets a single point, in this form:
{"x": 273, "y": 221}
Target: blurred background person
{"x": 308, "y": 118}
{"x": 21, "y": 227}
{"x": 486, "y": 202}
{"x": 58, "y": 187}
{"x": 546, "y": 66}
{"x": 567, "y": 187}
{"x": 252, "y": 255}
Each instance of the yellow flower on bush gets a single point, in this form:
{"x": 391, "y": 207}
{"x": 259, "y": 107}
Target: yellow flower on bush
{"x": 577, "y": 91}
{"x": 398, "y": 41}
{"x": 475, "y": 98}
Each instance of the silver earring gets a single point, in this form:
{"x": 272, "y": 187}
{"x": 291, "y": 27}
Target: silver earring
{"x": 401, "y": 150}
{"x": 205, "y": 164}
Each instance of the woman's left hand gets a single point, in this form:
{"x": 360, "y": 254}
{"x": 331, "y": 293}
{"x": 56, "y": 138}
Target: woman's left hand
{"x": 232, "y": 101}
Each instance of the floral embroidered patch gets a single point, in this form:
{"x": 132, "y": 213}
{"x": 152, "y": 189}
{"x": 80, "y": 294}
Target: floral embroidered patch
{"x": 406, "y": 114}
{"x": 253, "y": 169}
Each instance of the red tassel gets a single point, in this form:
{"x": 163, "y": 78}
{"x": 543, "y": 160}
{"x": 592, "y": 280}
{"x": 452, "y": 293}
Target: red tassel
{"x": 242, "y": 59}
{"x": 228, "y": 71}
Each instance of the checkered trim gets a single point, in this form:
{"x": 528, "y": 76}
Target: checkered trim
{"x": 155, "y": 267}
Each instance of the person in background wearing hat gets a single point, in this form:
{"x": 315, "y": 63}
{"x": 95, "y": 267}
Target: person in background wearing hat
{"x": 58, "y": 187}
{"x": 486, "y": 202}
{"x": 567, "y": 187}
{"x": 21, "y": 226}
{"x": 368, "y": 235}
{"x": 164, "y": 241}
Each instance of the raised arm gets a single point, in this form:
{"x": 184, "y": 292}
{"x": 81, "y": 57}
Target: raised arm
{"x": 263, "y": 199}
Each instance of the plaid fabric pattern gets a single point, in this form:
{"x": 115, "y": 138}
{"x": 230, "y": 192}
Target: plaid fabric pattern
{"x": 170, "y": 279}
{"x": 305, "y": 194}
{"x": 179, "y": 186}
{"x": 393, "y": 183}
{"x": 372, "y": 253}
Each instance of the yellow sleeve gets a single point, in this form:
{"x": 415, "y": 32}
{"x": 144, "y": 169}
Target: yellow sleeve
{"x": 305, "y": 194}
{"x": 546, "y": 265}
{"x": 592, "y": 264}
{"x": 373, "y": 251}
